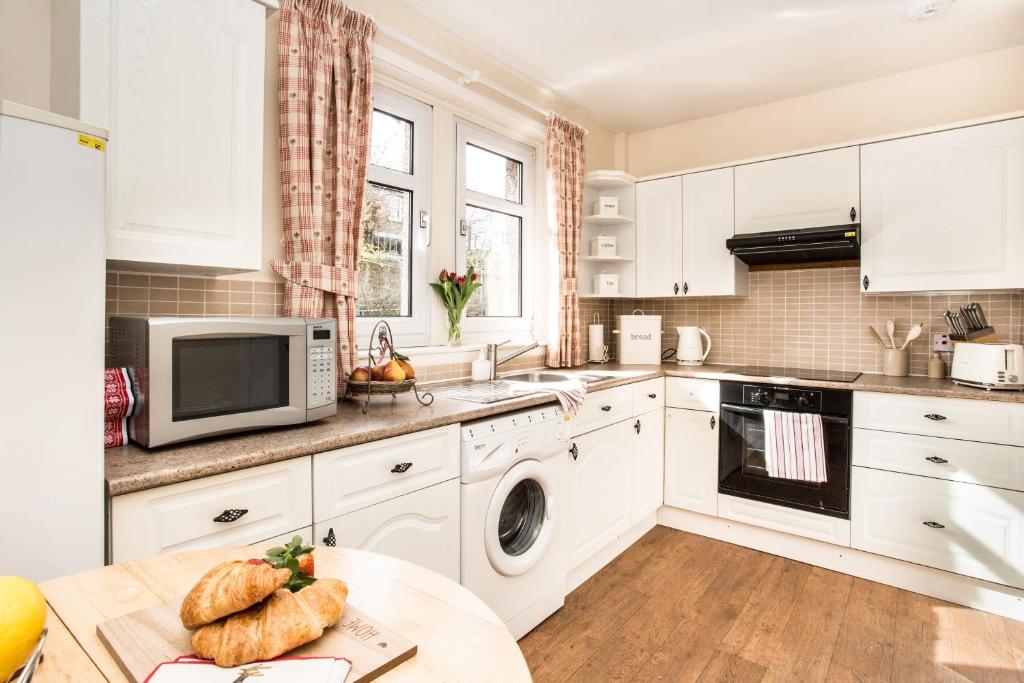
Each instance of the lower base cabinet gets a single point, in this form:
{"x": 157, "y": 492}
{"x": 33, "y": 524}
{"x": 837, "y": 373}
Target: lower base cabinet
{"x": 691, "y": 460}
{"x": 422, "y": 527}
{"x": 647, "y": 465}
{"x": 964, "y": 528}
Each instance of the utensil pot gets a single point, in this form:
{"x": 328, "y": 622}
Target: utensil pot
{"x": 896, "y": 363}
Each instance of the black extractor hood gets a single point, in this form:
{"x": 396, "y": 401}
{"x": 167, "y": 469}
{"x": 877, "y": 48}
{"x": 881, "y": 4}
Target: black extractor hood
{"x": 832, "y": 243}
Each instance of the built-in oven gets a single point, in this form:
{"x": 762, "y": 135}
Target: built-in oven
{"x": 743, "y": 468}
{"x": 199, "y": 377}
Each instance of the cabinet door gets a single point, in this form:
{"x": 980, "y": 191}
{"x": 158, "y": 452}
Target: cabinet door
{"x": 804, "y": 191}
{"x": 691, "y": 460}
{"x": 708, "y": 267}
{"x": 647, "y": 461}
{"x": 944, "y": 210}
{"x": 659, "y": 237}
{"x": 599, "y": 489}
{"x": 421, "y": 527}
{"x": 186, "y": 133}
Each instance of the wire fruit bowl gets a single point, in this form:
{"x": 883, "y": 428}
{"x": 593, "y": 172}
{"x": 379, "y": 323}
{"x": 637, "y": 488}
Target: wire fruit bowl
{"x": 382, "y": 342}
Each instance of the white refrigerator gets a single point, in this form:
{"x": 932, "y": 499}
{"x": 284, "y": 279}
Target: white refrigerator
{"x": 52, "y": 217}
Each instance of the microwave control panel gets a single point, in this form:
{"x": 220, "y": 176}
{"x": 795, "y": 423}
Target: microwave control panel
{"x": 321, "y": 375}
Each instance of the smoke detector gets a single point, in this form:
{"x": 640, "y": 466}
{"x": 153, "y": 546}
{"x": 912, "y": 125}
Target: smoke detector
{"x": 920, "y": 10}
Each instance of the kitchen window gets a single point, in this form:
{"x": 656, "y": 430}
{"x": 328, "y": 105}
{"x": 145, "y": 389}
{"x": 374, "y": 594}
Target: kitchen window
{"x": 494, "y": 204}
{"x": 393, "y": 261}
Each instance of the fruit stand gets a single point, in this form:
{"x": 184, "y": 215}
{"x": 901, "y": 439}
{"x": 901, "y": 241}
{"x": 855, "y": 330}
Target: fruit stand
{"x": 390, "y": 373}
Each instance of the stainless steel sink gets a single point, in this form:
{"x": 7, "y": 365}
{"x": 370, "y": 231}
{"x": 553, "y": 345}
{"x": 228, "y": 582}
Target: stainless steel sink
{"x": 539, "y": 376}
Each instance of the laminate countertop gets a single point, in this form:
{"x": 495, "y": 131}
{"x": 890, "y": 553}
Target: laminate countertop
{"x": 131, "y": 468}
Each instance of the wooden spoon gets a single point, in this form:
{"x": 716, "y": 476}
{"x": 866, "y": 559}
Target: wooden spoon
{"x": 879, "y": 336}
{"x": 912, "y": 334}
{"x": 890, "y": 328}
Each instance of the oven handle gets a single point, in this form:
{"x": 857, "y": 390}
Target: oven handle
{"x": 760, "y": 411}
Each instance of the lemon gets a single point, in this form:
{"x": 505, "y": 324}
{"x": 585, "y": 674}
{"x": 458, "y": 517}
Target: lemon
{"x": 22, "y": 617}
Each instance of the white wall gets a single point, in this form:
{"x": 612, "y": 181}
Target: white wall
{"x": 991, "y": 83}
{"x": 25, "y": 52}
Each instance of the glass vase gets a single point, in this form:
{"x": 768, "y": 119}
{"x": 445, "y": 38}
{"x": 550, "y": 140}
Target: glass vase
{"x": 454, "y": 328}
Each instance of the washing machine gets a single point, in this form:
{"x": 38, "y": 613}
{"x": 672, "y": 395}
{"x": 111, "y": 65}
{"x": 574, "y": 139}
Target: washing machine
{"x": 514, "y": 491}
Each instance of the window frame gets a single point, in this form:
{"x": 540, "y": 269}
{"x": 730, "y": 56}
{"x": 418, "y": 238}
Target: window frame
{"x": 519, "y": 328}
{"x": 414, "y": 329}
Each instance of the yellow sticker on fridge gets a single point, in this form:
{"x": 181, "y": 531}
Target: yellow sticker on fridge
{"x": 97, "y": 144}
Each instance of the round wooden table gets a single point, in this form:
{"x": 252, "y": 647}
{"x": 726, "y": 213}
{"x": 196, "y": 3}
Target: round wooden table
{"x": 458, "y": 636}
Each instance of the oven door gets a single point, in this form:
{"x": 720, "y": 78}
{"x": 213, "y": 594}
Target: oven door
{"x": 742, "y": 471}
{"x": 217, "y": 377}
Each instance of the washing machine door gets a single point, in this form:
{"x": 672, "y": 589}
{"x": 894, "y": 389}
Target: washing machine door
{"x": 520, "y": 519}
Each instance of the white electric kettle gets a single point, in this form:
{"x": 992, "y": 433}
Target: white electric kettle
{"x": 689, "y": 349}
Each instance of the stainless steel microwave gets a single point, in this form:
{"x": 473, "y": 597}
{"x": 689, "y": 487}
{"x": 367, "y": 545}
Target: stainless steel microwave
{"x": 198, "y": 377}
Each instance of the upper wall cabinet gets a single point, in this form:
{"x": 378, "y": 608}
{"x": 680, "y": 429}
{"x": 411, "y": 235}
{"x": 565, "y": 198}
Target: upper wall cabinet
{"x": 659, "y": 237}
{"x": 805, "y": 191}
{"x": 708, "y": 267}
{"x": 944, "y": 210}
{"x": 182, "y": 85}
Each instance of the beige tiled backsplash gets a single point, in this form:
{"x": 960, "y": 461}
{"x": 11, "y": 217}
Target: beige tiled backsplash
{"x": 810, "y": 318}
{"x": 813, "y": 317}
{"x": 180, "y": 295}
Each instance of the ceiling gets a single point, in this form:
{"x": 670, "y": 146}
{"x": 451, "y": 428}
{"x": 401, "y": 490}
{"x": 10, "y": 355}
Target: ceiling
{"x": 647, "y": 63}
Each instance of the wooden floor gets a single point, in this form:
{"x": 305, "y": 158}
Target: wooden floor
{"x": 681, "y": 607}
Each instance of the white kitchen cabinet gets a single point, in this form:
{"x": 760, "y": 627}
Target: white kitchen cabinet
{"x": 421, "y": 527}
{"x": 708, "y": 221}
{"x": 647, "y": 462}
{"x": 599, "y": 489}
{"x": 803, "y": 191}
{"x": 691, "y": 460}
{"x": 659, "y": 237}
{"x": 964, "y": 528}
{"x": 305, "y": 532}
{"x": 603, "y": 408}
{"x": 944, "y": 210}
{"x": 234, "y": 508}
{"x": 950, "y": 418}
{"x": 185, "y": 158}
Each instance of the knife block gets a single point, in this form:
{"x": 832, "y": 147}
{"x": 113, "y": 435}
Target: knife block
{"x": 985, "y": 334}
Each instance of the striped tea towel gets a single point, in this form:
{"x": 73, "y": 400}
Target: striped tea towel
{"x": 794, "y": 446}
{"x": 118, "y": 403}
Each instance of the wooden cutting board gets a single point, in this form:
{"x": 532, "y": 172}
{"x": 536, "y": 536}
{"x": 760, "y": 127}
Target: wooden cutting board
{"x": 141, "y": 640}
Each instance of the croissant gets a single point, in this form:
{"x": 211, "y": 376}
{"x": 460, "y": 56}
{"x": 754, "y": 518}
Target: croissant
{"x": 228, "y": 588}
{"x": 284, "y": 622}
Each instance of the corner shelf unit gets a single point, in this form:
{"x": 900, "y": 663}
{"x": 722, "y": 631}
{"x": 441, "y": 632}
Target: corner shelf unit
{"x": 621, "y": 185}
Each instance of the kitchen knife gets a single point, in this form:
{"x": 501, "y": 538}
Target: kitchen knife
{"x": 948, "y": 317}
{"x": 958, "y": 324}
{"x": 981, "y": 316}
{"x": 968, "y": 318}
{"x": 975, "y": 320}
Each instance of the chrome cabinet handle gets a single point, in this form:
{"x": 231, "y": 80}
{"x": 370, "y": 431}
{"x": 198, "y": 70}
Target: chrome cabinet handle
{"x": 934, "y": 525}
{"x": 401, "y": 467}
{"x": 935, "y": 417}
{"x": 232, "y": 515}
{"x": 606, "y": 408}
{"x": 937, "y": 460}
{"x": 574, "y": 452}
{"x": 330, "y": 540}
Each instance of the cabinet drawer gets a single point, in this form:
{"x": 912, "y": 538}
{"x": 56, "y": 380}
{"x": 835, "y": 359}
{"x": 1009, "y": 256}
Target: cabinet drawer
{"x": 694, "y": 394}
{"x": 348, "y": 479}
{"x": 952, "y": 459}
{"x": 973, "y": 420}
{"x": 422, "y": 527}
{"x": 603, "y": 408}
{"x": 648, "y": 395}
{"x": 964, "y": 528}
{"x": 181, "y": 516}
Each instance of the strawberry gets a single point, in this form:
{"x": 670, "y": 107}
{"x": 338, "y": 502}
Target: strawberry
{"x": 306, "y": 564}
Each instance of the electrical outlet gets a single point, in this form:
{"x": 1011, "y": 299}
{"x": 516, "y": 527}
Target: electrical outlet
{"x": 940, "y": 342}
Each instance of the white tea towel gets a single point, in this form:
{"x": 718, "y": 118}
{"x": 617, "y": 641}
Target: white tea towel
{"x": 794, "y": 446}
{"x": 570, "y": 393}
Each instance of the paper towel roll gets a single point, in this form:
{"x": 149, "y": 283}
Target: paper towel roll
{"x": 597, "y": 349}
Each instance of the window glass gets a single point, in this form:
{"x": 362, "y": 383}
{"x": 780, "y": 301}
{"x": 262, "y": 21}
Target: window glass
{"x": 385, "y": 262}
{"x": 391, "y": 142}
{"x": 494, "y": 174}
{"x": 494, "y": 251}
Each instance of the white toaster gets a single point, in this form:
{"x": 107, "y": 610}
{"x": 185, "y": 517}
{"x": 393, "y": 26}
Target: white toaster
{"x": 988, "y": 366}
